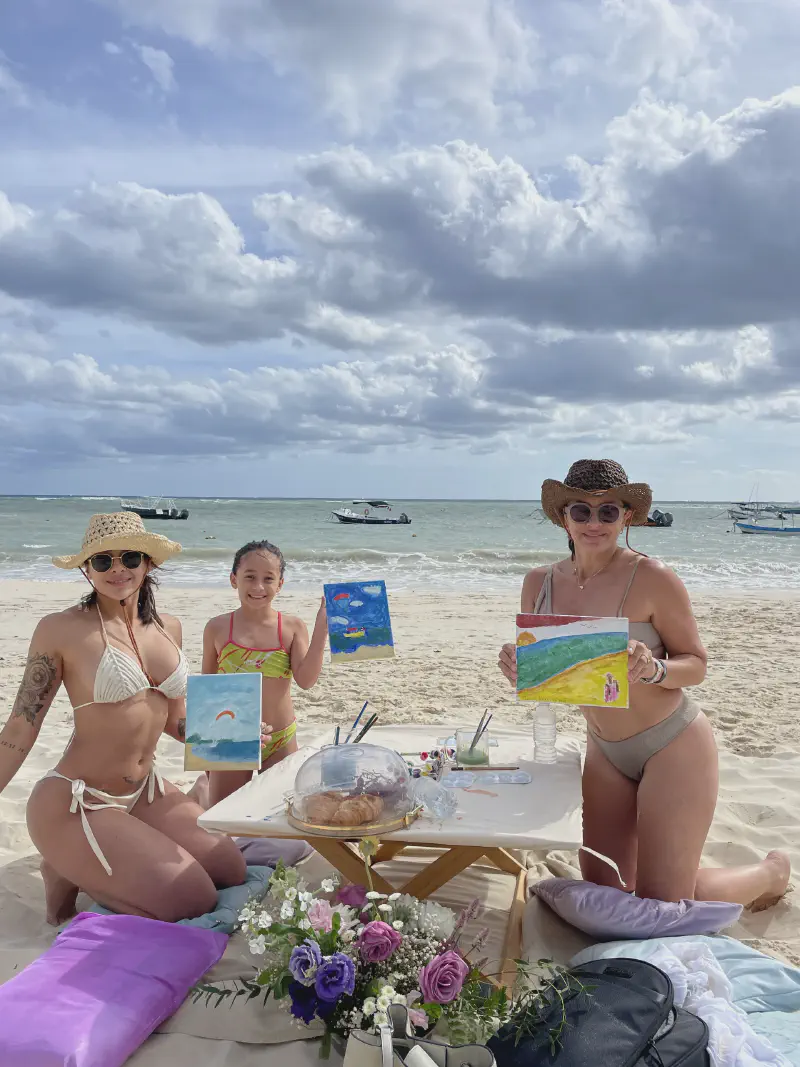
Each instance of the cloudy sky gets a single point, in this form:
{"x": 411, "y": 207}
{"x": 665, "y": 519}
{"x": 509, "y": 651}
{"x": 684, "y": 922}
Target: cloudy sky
{"x": 272, "y": 248}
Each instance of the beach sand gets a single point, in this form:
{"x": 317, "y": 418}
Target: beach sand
{"x": 445, "y": 672}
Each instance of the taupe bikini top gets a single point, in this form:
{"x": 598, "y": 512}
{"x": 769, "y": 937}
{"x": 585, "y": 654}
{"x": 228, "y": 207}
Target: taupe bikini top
{"x": 638, "y": 631}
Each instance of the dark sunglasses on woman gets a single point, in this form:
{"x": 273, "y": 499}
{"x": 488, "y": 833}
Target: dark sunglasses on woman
{"x": 607, "y": 513}
{"x": 104, "y": 561}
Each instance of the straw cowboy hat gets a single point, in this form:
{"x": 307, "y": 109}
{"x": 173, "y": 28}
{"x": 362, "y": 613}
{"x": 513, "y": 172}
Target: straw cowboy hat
{"x": 122, "y": 531}
{"x": 594, "y": 477}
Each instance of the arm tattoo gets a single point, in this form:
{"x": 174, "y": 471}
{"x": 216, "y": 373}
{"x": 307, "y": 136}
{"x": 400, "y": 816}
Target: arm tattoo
{"x": 40, "y": 673}
{"x": 182, "y": 729}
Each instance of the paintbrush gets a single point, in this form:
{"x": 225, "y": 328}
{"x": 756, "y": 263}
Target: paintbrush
{"x": 356, "y": 721}
{"x": 336, "y": 736}
{"x": 369, "y": 724}
{"x": 485, "y": 727}
{"x": 477, "y": 732}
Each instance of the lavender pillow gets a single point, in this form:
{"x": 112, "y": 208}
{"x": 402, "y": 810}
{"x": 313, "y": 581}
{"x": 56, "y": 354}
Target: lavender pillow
{"x": 612, "y": 915}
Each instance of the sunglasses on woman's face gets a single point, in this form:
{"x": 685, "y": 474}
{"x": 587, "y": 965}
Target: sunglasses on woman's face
{"x": 104, "y": 561}
{"x": 607, "y": 513}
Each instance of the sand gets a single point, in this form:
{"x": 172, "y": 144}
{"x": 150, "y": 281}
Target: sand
{"x": 445, "y": 672}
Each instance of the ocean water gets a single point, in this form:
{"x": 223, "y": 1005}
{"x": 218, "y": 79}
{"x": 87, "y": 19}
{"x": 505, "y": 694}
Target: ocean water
{"x": 450, "y": 544}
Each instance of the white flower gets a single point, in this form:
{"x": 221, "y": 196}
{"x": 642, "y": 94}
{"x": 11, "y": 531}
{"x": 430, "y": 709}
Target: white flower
{"x": 394, "y": 896}
{"x": 383, "y": 1003}
{"x": 306, "y": 898}
{"x": 287, "y": 910}
{"x": 264, "y": 919}
{"x": 494, "y": 1022}
{"x": 258, "y": 945}
{"x": 381, "y": 1018}
{"x": 347, "y": 916}
{"x": 291, "y": 893}
{"x": 369, "y": 1006}
{"x": 346, "y": 935}
{"x": 398, "y": 998}
{"x": 398, "y": 924}
{"x": 376, "y": 896}
{"x": 304, "y": 924}
{"x": 303, "y": 906}
{"x": 385, "y": 908}
{"x": 328, "y": 885}
{"x": 387, "y": 990}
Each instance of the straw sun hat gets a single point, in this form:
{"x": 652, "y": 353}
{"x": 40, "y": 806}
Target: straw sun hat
{"x": 594, "y": 477}
{"x": 123, "y": 531}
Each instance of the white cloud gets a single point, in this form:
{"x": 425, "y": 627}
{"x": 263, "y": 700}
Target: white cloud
{"x": 160, "y": 65}
{"x": 363, "y": 60}
{"x": 111, "y": 49}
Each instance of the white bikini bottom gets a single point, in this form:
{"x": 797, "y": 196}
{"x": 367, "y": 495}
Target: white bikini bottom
{"x": 124, "y": 803}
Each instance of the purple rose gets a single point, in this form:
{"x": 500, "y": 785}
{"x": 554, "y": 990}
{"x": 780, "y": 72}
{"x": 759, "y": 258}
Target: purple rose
{"x": 443, "y": 978}
{"x": 354, "y": 896}
{"x": 304, "y": 961}
{"x": 336, "y": 977}
{"x": 304, "y": 1002}
{"x": 378, "y": 941}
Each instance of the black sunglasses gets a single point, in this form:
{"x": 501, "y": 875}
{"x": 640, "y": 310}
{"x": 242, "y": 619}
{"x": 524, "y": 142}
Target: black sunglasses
{"x": 104, "y": 561}
{"x": 607, "y": 513}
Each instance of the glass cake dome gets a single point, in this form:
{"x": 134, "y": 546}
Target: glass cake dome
{"x": 353, "y": 790}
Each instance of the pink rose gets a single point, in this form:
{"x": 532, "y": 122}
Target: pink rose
{"x": 443, "y": 978}
{"x": 378, "y": 941}
{"x": 354, "y": 896}
{"x": 419, "y": 1018}
{"x": 320, "y": 915}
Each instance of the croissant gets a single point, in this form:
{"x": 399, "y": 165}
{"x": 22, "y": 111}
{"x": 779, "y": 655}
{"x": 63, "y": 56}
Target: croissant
{"x": 358, "y": 810}
{"x": 322, "y": 807}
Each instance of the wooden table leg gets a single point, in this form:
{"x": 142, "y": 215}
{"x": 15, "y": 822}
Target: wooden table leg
{"x": 512, "y": 946}
{"x": 388, "y": 851}
{"x": 348, "y": 862}
{"x": 504, "y": 860}
{"x": 442, "y": 870}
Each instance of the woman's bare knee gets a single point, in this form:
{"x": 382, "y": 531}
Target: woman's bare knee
{"x": 225, "y": 864}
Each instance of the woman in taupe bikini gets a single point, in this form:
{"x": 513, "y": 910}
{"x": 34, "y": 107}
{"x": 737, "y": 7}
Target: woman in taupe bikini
{"x": 650, "y": 777}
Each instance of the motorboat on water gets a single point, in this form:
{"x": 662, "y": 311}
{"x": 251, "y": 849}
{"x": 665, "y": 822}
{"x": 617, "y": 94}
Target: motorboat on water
{"x": 660, "y": 519}
{"x": 155, "y": 507}
{"x": 374, "y": 513}
{"x": 787, "y": 527}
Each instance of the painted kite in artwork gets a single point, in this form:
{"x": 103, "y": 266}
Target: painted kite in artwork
{"x": 223, "y": 722}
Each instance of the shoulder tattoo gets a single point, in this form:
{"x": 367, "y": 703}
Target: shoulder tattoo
{"x": 37, "y": 681}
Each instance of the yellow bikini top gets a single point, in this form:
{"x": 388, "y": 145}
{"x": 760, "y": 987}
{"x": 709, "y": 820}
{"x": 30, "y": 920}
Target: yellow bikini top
{"x": 268, "y": 662}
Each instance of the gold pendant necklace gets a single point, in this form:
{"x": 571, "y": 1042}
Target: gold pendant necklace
{"x": 587, "y": 580}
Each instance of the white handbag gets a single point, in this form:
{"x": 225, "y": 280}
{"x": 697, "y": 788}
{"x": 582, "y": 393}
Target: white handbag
{"x": 391, "y": 1046}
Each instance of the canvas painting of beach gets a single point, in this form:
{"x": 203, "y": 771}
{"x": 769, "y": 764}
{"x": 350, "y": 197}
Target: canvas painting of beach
{"x": 223, "y": 722}
{"x": 359, "y": 626}
{"x": 572, "y": 659}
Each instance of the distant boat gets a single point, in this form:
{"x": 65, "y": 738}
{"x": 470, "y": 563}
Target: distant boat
{"x": 368, "y": 516}
{"x": 771, "y": 531}
{"x": 354, "y": 631}
{"x": 659, "y": 518}
{"x": 153, "y": 508}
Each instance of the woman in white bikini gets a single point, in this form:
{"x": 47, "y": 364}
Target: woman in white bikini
{"x": 103, "y": 818}
{"x": 650, "y": 776}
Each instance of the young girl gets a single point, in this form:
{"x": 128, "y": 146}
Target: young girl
{"x": 257, "y": 638}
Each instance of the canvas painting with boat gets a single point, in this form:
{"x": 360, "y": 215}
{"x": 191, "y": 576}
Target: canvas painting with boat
{"x": 223, "y": 722}
{"x": 572, "y": 659}
{"x": 359, "y": 626}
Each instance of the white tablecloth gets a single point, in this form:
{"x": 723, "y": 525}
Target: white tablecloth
{"x": 544, "y": 814}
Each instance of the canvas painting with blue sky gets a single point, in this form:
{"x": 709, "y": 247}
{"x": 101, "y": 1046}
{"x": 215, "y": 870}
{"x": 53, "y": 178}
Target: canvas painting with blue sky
{"x": 359, "y": 626}
{"x": 223, "y": 722}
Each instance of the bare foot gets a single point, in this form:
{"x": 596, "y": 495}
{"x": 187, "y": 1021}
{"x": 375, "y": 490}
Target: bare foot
{"x": 60, "y": 895}
{"x": 779, "y": 868}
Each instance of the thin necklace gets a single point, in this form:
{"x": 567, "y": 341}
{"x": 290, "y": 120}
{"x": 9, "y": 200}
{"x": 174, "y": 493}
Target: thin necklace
{"x": 589, "y": 578}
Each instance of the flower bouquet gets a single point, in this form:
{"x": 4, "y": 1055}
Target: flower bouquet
{"x": 344, "y": 955}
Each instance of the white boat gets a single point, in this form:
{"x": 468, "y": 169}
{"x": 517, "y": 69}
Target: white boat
{"x": 374, "y": 514}
{"x": 155, "y": 507}
{"x": 784, "y": 530}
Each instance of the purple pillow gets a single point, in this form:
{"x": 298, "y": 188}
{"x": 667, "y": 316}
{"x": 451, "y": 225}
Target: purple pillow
{"x": 610, "y": 914}
{"x": 101, "y": 989}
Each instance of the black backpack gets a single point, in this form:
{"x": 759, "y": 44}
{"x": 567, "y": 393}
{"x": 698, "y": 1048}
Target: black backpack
{"x": 623, "y": 1017}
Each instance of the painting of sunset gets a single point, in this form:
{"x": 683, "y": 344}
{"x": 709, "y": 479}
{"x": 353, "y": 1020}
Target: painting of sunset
{"x": 572, "y": 659}
{"x": 223, "y": 722}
